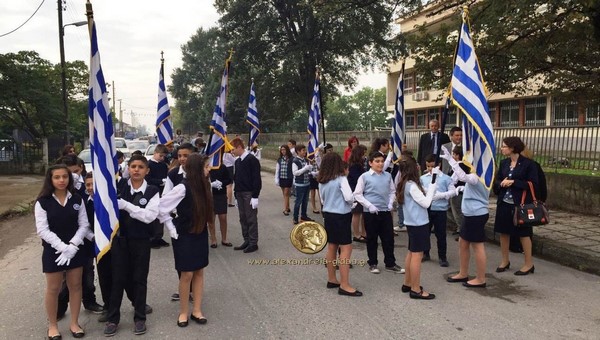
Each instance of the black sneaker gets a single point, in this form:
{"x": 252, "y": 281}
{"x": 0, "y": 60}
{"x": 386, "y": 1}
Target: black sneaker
{"x": 444, "y": 263}
{"x": 155, "y": 244}
{"x": 175, "y": 297}
{"x": 94, "y": 308}
{"x": 140, "y": 327}
{"x": 426, "y": 258}
{"x": 306, "y": 219}
{"x": 110, "y": 329}
{"x": 148, "y": 309}
{"x": 163, "y": 243}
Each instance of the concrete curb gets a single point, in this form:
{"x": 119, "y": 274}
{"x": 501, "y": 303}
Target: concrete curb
{"x": 21, "y": 208}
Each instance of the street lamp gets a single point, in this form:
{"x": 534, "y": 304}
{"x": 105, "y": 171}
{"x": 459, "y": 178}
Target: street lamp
{"x": 63, "y": 76}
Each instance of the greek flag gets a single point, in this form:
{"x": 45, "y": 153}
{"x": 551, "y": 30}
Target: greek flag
{"x": 252, "y": 118}
{"x": 164, "y": 128}
{"x": 104, "y": 160}
{"x": 314, "y": 117}
{"x": 398, "y": 133}
{"x": 469, "y": 95}
{"x": 218, "y": 126}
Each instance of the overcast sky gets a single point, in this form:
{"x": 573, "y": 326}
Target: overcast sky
{"x": 131, "y": 35}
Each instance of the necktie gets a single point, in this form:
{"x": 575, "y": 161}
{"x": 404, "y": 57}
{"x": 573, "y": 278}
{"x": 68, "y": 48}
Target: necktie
{"x": 434, "y": 139}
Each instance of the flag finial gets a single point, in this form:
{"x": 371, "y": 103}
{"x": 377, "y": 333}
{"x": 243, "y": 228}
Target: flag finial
{"x": 162, "y": 58}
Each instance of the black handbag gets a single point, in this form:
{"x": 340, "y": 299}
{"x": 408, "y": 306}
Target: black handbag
{"x": 530, "y": 214}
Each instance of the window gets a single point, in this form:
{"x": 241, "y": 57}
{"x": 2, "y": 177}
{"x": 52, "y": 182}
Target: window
{"x": 535, "y": 112}
{"x": 492, "y": 112}
{"x": 564, "y": 113}
{"x": 451, "y": 117}
{"x": 409, "y": 83}
{"x": 509, "y": 113}
{"x": 421, "y": 121}
{"x": 434, "y": 113}
{"x": 410, "y": 119}
{"x": 592, "y": 114}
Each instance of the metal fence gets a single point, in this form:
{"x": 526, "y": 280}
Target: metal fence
{"x": 20, "y": 157}
{"x": 574, "y": 147}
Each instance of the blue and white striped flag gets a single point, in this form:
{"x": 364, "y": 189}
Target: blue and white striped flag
{"x": 217, "y": 125}
{"x": 468, "y": 93}
{"x": 314, "y": 117}
{"x": 104, "y": 155}
{"x": 164, "y": 127}
{"x": 398, "y": 130}
{"x": 252, "y": 118}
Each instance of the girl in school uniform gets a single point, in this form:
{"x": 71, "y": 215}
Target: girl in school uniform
{"x": 284, "y": 177}
{"x": 337, "y": 199}
{"x": 193, "y": 201}
{"x": 415, "y": 202}
{"x": 61, "y": 222}
{"x": 472, "y": 234}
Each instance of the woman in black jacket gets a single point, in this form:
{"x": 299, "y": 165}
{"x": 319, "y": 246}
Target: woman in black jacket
{"x": 511, "y": 180}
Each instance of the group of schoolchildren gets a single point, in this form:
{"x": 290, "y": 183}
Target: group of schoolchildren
{"x": 183, "y": 195}
{"x": 366, "y": 187}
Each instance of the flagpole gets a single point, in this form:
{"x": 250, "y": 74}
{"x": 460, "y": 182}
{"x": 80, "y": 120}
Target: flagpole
{"x": 210, "y": 136}
{"x": 250, "y": 129}
{"x": 322, "y": 107}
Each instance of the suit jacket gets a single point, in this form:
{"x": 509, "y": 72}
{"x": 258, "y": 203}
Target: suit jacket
{"x": 426, "y": 146}
{"x": 525, "y": 170}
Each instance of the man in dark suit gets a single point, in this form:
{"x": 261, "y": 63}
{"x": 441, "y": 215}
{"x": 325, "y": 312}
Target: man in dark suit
{"x": 430, "y": 142}
{"x": 455, "y": 140}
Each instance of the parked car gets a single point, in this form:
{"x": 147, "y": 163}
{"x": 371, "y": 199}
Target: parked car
{"x": 86, "y": 156}
{"x": 150, "y": 151}
{"x": 137, "y": 144}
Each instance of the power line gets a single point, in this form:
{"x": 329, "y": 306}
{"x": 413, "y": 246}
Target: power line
{"x": 26, "y": 21}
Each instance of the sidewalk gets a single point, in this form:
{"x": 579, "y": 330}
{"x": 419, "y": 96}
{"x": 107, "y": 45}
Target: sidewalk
{"x": 18, "y": 192}
{"x": 570, "y": 239}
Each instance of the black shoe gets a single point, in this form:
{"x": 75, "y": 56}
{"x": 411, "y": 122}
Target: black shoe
{"x": 306, "y": 219}
{"x": 201, "y": 320}
{"x": 468, "y": 285}
{"x": 503, "y": 269}
{"x": 154, "y": 244}
{"x": 175, "y": 297}
{"x": 163, "y": 243}
{"x": 242, "y": 246}
{"x": 332, "y": 285}
{"x": 214, "y": 245}
{"x": 110, "y": 329}
{"x": 444, "y": 263}
{"x": 103, "y": 317}
{"x": 419, "y": 295}
{"x": 231, "y": 205}
{"x": 94, "y": 308}
{"x": 79, "y": 334}
{"x": 426, "y": 258}
{"x": 521, "y": 273}
{"x": 182, "y": 323}
{"x": 148, "y": 309}
{"x": 295, "y": 221}
{"x": 140, "y": 327}
{"x": 354, "y": 293}
{"x": 251, "y": 249}
{"x": 406, "y": 289}
{"x": 462, "y": 279}
{"x": 55, "y": 337}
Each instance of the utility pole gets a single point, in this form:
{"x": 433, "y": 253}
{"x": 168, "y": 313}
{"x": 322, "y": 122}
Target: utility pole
{"x": 120, "y": 118}
{"x": 63, "y": 75}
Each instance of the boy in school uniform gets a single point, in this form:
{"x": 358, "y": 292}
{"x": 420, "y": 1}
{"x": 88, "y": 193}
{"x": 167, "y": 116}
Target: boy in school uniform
{"x": 157, "y": 176}
{"x": 438, "y": 211}
{"x": 138, "y": 208}
{"x": 301, "y": 170}
{"x": 376, "y": 192}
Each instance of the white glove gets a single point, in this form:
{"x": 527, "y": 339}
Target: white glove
{"x": 172, "y": 230}
{"x": 164, "y": 180}
{"x": 321, "y": 146}
{"x": 354, "y": 204}
{"x": 458, "y": 190}
{"x": 61, "y": 247}
{"x": 446, "y": 154}
{"x": 217, "y": 184}
{"x": 373, "y": 209}
{"x": 62, "y": 260}
{"x": 277, "y": 181}
{"x": 122, "y": 203}
{"x": 314, "y": 174}
{"x": 391, "y": 206}
{"x": 254, "y": 203}
{"x": 436, "y": 171}
{"x": 308, "y": 168}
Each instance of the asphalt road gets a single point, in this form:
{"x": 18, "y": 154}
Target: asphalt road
{"x": 242, "y": 300}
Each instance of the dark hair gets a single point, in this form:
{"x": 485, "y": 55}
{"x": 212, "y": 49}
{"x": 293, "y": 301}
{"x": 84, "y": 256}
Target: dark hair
{"x": 201, "y": 192}
{"x": 288, "y": 153}
{"x": 407, "y": 154}
{"x": 186, "y": 146}
{"x": 66, "y": 150}
{"x": 300, "y": 147}
{"x": 410, "y": 172}
{"x": 375, "y": 154}
{"x": 88, "y": 175}
{"x": 47, "y": 187}
{"x": 137, "y": 157}
{"x": 454, "y": 129}
{"x": 378, "y": 143}
{"x": 68, "y": 160}
{"x": 332, "y": 167}
{"x": 120, "y": 154}
{"x": 459, "y": 151}
{"x": 327, "y": 147}
{"x": 291, "y": 141}
{"x": 160, "y": 148}
{"x": 357, "y": 156}
{"x": 514, "y": 143}
{"x": 430, "y": 158}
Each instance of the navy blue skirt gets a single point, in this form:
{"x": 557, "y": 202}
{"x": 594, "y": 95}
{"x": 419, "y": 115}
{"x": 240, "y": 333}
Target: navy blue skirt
{"x": 49, "y": 256}
{"x": 191, "y": 251}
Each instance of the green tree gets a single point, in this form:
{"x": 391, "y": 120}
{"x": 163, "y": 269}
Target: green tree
{"x": 341, "y": 115}
{"x": 30, "y": 94}
{"x": 361, "y": 111}
{"x": 519, "y": 42}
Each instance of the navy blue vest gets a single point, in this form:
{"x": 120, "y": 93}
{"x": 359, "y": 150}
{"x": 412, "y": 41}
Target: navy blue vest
{"x": 130, "y": 227}
{"x": 175, "y": 176}
{"x": 63, "y": 221}
{"x": 183, "y": 221}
